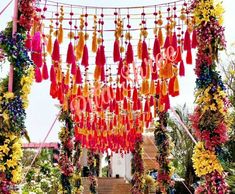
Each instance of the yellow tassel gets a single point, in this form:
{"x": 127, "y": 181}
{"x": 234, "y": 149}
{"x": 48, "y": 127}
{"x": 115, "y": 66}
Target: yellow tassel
{"x": 139, "y": 50}
{"x": 67, "y": 78}
{"x": 94, "y": 43}
{"x": 152, "y": 88}
{"x": 49, "y": 44}
{"x": 60, "y": 34}
{"x": 176, "y": 84}
{"x": 164, "y": 88}
{"x": 86, "y": 90}
{"x": 160, "y": 37}
{"x": 74, "y": 90}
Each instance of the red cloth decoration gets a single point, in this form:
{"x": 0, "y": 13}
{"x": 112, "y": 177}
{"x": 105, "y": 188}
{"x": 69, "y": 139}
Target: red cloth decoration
{"x": 181, "y": 68}
{"x": 129, "y": 54}
{"x": 56, "y": 51}
{"x": 37, "y": 49}
{"x": 85, "y": 56}
{"x": 70, "y": 54}
{"x": 120, "y": 67}
{"x": 187, "y": 41}
{"x": 102, "y": 78}
{"x": 156, "y": 48}
{"x": 145, "y": 53}
{"x": 116, "y": 51}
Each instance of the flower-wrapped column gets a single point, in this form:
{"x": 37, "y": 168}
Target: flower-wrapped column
{"x": 209, "y": 120}
{"x": 162, "y": 142}
{"x": 92, "y": 178}
{"x": 137, "y": 167}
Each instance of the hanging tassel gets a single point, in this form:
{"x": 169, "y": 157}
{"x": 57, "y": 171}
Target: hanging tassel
{"x": 28, "y": 42}
{"x": 70, "y": 54}
{"x": 156, "y": 48}
{"x": 102, "y": 76}
{"x": 60, "y": 34}
{"x": 145, "y": 54}
{"x": 67, "y": 78}
{"x": 167, "y": 42}
{"x": 85, "y": 57}
{"x": 160, "y": 37}
{"x": 97, "y": 72}
{"x": 129, "y": 54}
{"x": 38, "y": 75}
{"x": 78, "y": 76}
{"x": 53, "y": 90}
{"x": 74, "y": 68}
{"x": 52, "y": 74}
{"x": 174, "y": 41}
{"x": 37, "y": 49}
{"x": 178, "y": 56}
{"x": 94, "y": 43}
{"x": 189, "y": 59}
{"x": 56, "y": 51}
{"x": 139, "y": 49}
{"x": 152, "y": 88}
{"x": 194, "y": 39}
{"x": 120, "y": 67}
{"x": 171, "y": 86}
{"x": 187, "y": 41}
{"x": 125, "y": 104}
{"x": 45, "y": 72}
{"x": 37, "y": 58}
{"x": 146, "y": 106}
{"x": 182, "y": 69}
{"x": 164, "y": 88}
{"x": 158, "y": 88}
{"x": 151, "y": 101}
{"x": 167, "y": 102}
{"x": 154, "y": 72}
{"x": 116, "y": 51}
{"x": 102, "y": 56}
{"x": 97, "y": 57}
{"x": 80, "y": 45}
{"x": 176, "y": 86}
{"x": 49, "y": 44}
{"x": 135, "y": 95}
{"x": 86, "y": 90}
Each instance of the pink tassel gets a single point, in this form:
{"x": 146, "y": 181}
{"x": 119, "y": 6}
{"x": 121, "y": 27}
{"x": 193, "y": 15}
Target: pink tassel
{"x": 156, "y": 48}
{"x": 174, "y": 41}
{"x": 37, "y": 58}
{"x": 37, "y": 49}
{"x": 28, "y": 42}
{"x": 97, "y": 58}
{"x": 145, "y": 54}
{"x": 45, "y": 72}
{"x": 167, "y": 42}
{"x": 52, "y": 74}
{"x": 181, "y": 68}
{"x": 70, "y": 54}
{"x": 74, "y": 68}
{"x": 129, "y": 54}
{"x": 78, "y": 76}
{"x": 189, "y": 59}
{"x": 102, "y": 56}
{"x": 194, "y": 39}
{"x": 56, "y": 51}
{"x": 85, "y": 57}
{"x": 116, "y": 51}
{"x": 187, "y": 41}
{"x": 38, "y": 75}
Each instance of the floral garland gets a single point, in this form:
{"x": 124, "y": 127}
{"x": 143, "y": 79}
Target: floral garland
{"x": 91, "y": 164}
{"x": 137, "y": 167}
{"x": 13, "y": 104}
{"x": 209, "y": 120}
{"x": 65, "y": 159}
{"x": 162, "y": 141}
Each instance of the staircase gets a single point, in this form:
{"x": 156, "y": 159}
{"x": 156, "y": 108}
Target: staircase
{"x": 108, "y": 186}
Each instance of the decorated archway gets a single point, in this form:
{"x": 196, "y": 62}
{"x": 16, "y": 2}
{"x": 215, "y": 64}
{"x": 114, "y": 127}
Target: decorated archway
{"x": 110, "y": 94}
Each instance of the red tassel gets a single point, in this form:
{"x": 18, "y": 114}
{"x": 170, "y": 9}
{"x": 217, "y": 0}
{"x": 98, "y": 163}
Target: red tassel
{"x": 171, "y": 86}
{"x": 158, "y": 88}
{"x": 102, "y": 78}
{"x": 118, "y": 95}
{"x": 174, "y": 41}
{"x": 129, "y": 54}
{"x": 120, "y": 66}
{"x": 194, "y": 39}
{"x": 45, "y": 72}
{"x": 135, "y": 95}
{"x": 189, "y": 59}
{"x": 56, "y": 51}
{"x": 97, "y": 57}
{"x": 146, "y": 106}
{"x": 139, "y": 104}
{"x": 102, "y": 56}
{"x": 116, "y": 51}
{"x": 38, "y": 75}
{"x": 88, "y": 106}
{"x": 36, "y": 42}
{"x": 70, "y": 54}
{"x": 78, "y": 76}
{"x": 156, "y": 48}
{"x": 187, "y": 41}
{"x": 129, "y": 90}
{"x": 125, "y": 104}
{"x": 85, "y": 56}
{"x": 167, "y": 42}
{"x": 53, "y": 90}
{"x": 181, "y": 68}
{"x": 28, "y": 42}
{"x": 167, "y": 102}
{"x": 151, "y": 101}
{"x": 116, "y": 109}
{"x": 74, "y": 68}
{"x": 145, "y": 54}
{"x": 52, "y": 74}
{"x": 154, "y": 72}
{"x": 37, "y": 58}
{"x": 178, "y": 57}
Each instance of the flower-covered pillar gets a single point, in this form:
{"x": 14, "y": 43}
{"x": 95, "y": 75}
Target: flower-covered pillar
{"x": 91, "y": 164}
{"x": 209, "y": 120}
{"x": 137, "y": 167}
{"x": 14, "y": 100}
{"x": 162, "y": 142}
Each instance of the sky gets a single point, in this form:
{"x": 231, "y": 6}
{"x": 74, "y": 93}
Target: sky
{"x": 42, "y": 109}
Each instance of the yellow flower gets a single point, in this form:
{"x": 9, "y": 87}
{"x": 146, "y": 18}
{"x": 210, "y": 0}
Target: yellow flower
{"x": 4, "y": 149}
{"x": 16, "y": 174}
{"x": 2, "y": 168}
{"x": 9, "y": 95}
{"x": 11, "y": 163}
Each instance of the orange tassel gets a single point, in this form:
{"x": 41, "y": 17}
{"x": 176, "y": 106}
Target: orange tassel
{"x": 60, "y": 34}
{"x": 152, "y": 88}
{"x": 94, "y": 43}
{"x": 160, "y": 37}
{"x": 49, "y": 45}
{"x": 176, "y": 85}
{"x": 164, "y": 88}
{"x": 139, "y": 49}
{"x": 97, "y": 72}
{"x": 67, "y": 78}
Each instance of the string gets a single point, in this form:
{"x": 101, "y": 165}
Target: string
{"x": 6, "y": 7}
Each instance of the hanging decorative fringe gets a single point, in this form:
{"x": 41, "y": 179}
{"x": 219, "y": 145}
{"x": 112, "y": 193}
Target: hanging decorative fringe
{"x": 160, "y": 37}
{"x": 38, "y": 75}
{"x": 56, "y": 51}
{"x": 181, "y": 68}
{"x": 187, "y": 41}
{"x": 28, "y": 42}
{"x": 189, "y": 60}
{"x": 70, "y": 54}
{"x": 154, "y": 72}
{"x": 156, "y": 48}
{"x": 102, "y": 56}
{"x": 49, "y": 44}
{"x": 178, "y": 56}
{"x": 167, "y": 42}
{"x": 139, "y": 49}
{"x": 129, "y": 54}
{"x": 145, "y": 54}
{"x": 85, "y": 57}
{"x": 37, "y": 49}
{"x": 116, "y": 51}
{"x": 60, "y": 34}
{"x": 80, "y": 46}
{"x": 74, "y": 68}
{"x": 94, "y": 43}
{"x": 194, "y": 39}
{"x": 45, "y": 71}
{"x": 52, "y": 74}
{"x": 174, "y": 41}
{"x": 78, "y": 76}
